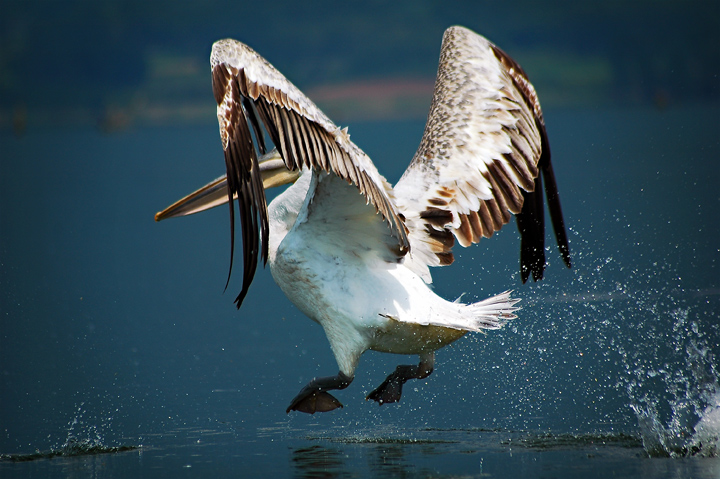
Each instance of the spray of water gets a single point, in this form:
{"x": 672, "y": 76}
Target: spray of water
{"x": 678, "y": 409}
{"x": 662, "y": 337}
{"x": 84, "y": 437}
{"x": 621, "y": 346}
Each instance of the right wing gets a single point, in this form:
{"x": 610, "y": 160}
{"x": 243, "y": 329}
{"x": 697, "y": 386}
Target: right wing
{"x": 480, "y": 159}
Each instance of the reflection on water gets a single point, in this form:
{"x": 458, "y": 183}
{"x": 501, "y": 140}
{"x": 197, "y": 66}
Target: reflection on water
{"x": 485, "y": 453}
{"x": 318, "y": 461}
{"x": 468, "y": 453}
{"x": 369, "y": 452}
{"x": 560, "y": 441}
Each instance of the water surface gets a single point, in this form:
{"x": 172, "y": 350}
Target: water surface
{"x": 117, "y": 334}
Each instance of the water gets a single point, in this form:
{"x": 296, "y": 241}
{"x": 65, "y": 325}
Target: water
{"x": 121, "y": 353}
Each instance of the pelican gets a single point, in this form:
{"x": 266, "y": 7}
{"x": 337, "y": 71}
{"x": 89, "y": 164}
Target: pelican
{"x": 353, "y": 252}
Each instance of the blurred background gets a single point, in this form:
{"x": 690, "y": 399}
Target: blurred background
{"x": 120, "y": 63}
{"x": 116, "y": 329}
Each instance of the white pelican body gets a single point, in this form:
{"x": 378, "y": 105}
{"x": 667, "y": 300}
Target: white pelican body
{"x": 368, "y": 302}
{"x": 351, "y": 251}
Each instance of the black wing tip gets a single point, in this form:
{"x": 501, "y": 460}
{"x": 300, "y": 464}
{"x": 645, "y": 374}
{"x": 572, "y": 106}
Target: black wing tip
{"x": 244, "y": 180}
{"x": 555, "y": 210}
{"x": 532, "y": 251}
{"x": 532, "y": 218}
{"x": 532, "y": 262}
{"x": 241, "y": 297}
{"x": 524, "y": 273}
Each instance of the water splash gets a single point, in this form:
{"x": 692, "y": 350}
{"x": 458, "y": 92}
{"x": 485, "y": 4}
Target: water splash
{"x": 83, "y": 438}
{"x": 664, "y": 338}
{"x": 677, "y": 403}
{"x": 620, "y": 344}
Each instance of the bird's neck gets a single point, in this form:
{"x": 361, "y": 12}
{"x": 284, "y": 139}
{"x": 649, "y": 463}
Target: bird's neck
{"x": 283, "y": 211}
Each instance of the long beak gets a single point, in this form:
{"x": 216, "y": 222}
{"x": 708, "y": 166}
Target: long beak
{"x": 272, "y": 170}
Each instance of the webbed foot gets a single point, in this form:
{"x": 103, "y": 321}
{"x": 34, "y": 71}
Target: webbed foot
{"x": 390, "y": 390}
{"x": 314, "y": 398}
{"x": 314, "y": 401}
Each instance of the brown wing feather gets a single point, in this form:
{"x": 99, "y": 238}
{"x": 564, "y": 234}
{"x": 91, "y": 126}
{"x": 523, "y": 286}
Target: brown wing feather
{"x": 248, "y": 90}
{"x": 243, "y": 176}
{"x": 481, "y": 156}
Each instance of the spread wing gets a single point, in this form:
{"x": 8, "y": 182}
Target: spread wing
{"x": 250, "y": 92}
{"x": 483, "y": 156}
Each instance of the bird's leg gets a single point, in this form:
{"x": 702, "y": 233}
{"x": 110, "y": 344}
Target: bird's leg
{"x": 391, "y": 389}
{"x": 314, "y": 398}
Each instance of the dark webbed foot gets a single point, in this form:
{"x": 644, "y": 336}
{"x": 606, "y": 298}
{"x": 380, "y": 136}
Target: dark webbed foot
{"x": 314, "y": 398}
{"x": 314, "y": 401}
{"x": 391, "y": 389}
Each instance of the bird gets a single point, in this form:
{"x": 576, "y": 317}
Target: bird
{"x": 350, "y": 250}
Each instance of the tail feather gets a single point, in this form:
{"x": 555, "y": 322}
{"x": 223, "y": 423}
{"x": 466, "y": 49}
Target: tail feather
{"x": 491, "y": 313}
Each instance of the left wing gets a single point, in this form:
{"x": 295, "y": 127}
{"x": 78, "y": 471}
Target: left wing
{"x": 248, "y": 91}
